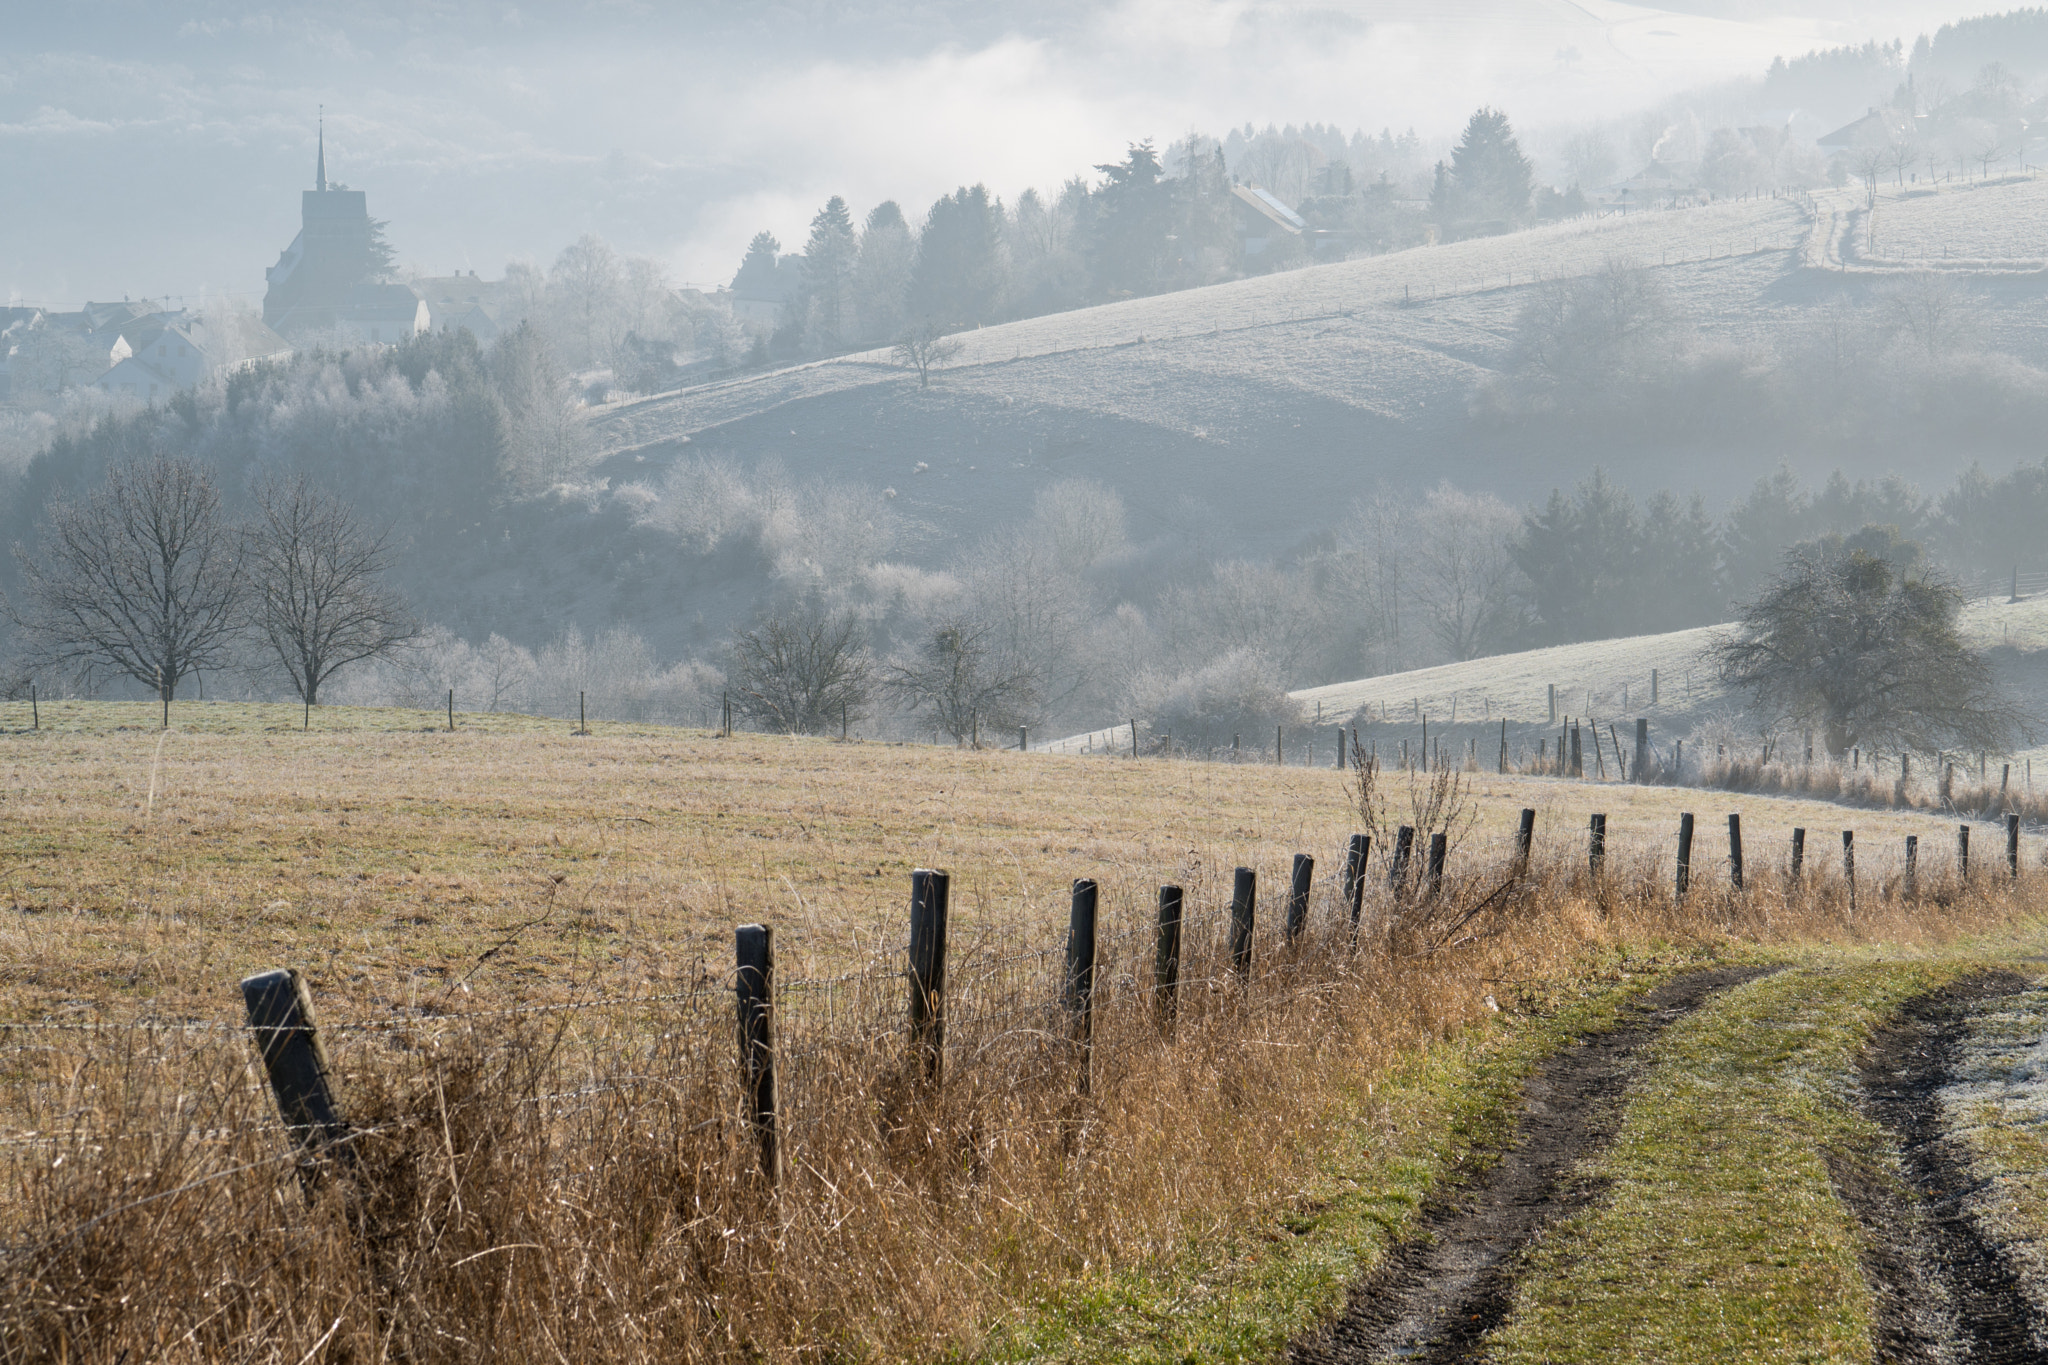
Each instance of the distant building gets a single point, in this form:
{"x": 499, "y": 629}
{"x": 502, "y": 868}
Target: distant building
{"x": 326, "y": 282}
{"x": 1263, "y": 221}
{"x": 461, "y": 301}
{"x": 157, "y": 354}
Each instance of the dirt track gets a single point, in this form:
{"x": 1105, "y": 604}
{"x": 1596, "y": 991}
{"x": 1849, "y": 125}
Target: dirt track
{"x": 1437, "y": 1295}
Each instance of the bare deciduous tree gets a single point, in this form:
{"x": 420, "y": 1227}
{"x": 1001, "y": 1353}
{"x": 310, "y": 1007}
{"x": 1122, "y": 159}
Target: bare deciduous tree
{"x": 802, "y": 668}
{"x": 1464, "y": 571}
{"x": 961, "y": 677}
{"x": 316, "y": 593}
{"x": 140, "y": 580}
{"x": 925, "y": 348}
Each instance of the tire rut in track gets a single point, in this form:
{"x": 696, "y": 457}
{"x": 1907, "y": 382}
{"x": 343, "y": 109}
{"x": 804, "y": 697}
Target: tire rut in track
{"x": 1436, "y": 1295}
{"x": 1945, "y": 1291}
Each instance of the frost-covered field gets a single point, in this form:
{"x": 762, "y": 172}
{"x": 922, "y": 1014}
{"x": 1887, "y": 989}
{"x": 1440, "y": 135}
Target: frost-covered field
{"x": 1609, "y": 680}
{"x": 2001, "y": 222}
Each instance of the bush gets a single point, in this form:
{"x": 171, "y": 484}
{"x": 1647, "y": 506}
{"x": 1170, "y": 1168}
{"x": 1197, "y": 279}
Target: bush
{"x": 1238, "y": 695}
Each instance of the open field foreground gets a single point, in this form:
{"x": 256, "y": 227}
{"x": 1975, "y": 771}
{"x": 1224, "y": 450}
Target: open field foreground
{"x": 1529, "y": 1109}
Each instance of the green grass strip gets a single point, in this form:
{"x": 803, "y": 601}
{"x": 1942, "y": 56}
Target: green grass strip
{"x": 1444, "y": 1112}
{"x": 1719, "y": 1235}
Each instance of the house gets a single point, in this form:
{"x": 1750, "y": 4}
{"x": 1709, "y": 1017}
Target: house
{"x": 1262, "y": 221}
{"x": 1874, "y": 129}
{"x": 459, "y": 301}
{"x": 158, "y": 354}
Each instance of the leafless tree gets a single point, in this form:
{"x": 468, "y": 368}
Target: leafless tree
{"x": 1464, "y": 573}
{"x": 316, "y": 592}
{"x": 802, "y": 667}
{"x": 1869, "y": 163}
{"x": 961, "y": 676}
{"x": 141, "y": 579}
{"x": 1932, "y": 309}
{"x": 924, "y": 349}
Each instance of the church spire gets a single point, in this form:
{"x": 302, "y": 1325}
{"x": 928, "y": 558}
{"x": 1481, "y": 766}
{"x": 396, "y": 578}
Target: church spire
{"x": 320, "y": 169}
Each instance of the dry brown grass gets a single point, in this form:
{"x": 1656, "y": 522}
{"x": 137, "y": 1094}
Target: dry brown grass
{"x": 574, "y": 1183}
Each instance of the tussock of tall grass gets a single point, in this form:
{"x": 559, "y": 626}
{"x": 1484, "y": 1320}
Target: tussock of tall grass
{"x": 578, "y": 1183}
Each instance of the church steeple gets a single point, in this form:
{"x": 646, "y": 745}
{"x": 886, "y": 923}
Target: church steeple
{"x": 320, "y": 168}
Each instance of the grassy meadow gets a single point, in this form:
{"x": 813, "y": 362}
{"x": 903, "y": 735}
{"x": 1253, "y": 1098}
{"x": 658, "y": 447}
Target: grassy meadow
{"x": 574, "y": 1181}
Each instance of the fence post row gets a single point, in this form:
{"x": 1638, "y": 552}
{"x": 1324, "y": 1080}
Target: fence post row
{"x": 1684, "y": 881}
{"x": 1166, "y": 957}
{"x": 1297, "y": 895}
{"x": 1596, "y": 843}
{"x": 1735, "y": 850}
{"x": 281, "y": 1024}
{"x": 1439, "y": 843}
{"x": 754, "y": 987}
{"x": 1244, "y": 896}
{"x": 1080, "y": 984}
{"x": 1404, "y": 849}
{"x": 1355, "y": 855}
{"x": 928, "y": 889}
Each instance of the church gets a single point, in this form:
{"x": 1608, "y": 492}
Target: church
{"x": 331, "y": 283}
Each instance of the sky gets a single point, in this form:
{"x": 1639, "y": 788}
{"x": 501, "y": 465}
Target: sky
{"x": 156, "y": 150}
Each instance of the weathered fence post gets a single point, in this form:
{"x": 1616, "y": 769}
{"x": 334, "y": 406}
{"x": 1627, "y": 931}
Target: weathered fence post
{"x": 1963, "y": 851}
{"x": 1912, "y": 867}
{"x": 1553, "y": 703}
{"x": 754, "y": 985}
{"x": 2012, "y": 844}
{"x": 1244, "y": 896}
{"x": 1525, "y": 841}
{"x": 1166, "y": 955}
{"x": 1355, "y": 855}
{"x": 281, "y": 1022}
{"x": 35, "y": 712}
{"x": 928, "y": 889}
{"x": 1134, "y": 737}
{"x": 1503, "y": 745}
{"x": 1279, "y": 756}
{"x": 583, "y": 715}
{"x": 1596, "y": 842}
{"x": 1653, "y": 687}
{"x": 1297, "y": 895}
{"x": 1404, "y": 849}
{"x": 1642, "y": 763}
{"x": 451, "y": 710}
{"x": 1023, "y": 739}
{"x": 1849, "y": 867}
{"x": 1735, "y": 850}
{"x": 1080, "y": 991}
{"x": 1684, "y": 881}
{"x": 1798, "y": 854}
{"x": 1578, "y": 754}
{"x": 1439, "y": 844}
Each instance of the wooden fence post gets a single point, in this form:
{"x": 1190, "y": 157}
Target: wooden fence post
{"x": 1963, "y": 851}
{"x": 754, "y": 986}
{"x": 1355, "y": 855}
{"x": 1503, "y": 746}
{"x": 1596, "y": 843}
{"x": 2012, "y": 844}
{"x": 1684, "y": 882}
{"x": 1553, "y": 703}
{"x": 1134, "y": 737}
{"x": 1279, "y": 756}
{"x": 1641, "y": 769}
{"x": 1340, "y": 748}
{"x": 1244, "y": 898}
{"x": 1912, "y": 867}
{"x": 1080, "y": 984}
{"x": 1849, "y": 867}
{"x": 1297, "y": 895}
{"x": 1166, "y": 955}
{"x": 1525, "y": 841}
{"x": 35, "y": 712}
{"x": 281, "y": 1022}
{"x": 1439, "y": 844}
{"x": 1735, "y": 850}
{"x": 1404, "y": 849}
{"x": 1798, "y": 854}
{"x": 1578, "y": 754}
{"x": 1023, "y": 739}
{"x": 451, "y": 710}
{"x": 928, "y": 889}
{"x": 1653, "y": 687}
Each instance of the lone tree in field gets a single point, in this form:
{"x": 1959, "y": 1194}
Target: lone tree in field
{"x": 1852, "y": 639}
{"x": 960, "y": 678}
{"x": 141, "y": 579}
{"x": 803, "y": 668}
{"x": 925, "y": 348}
{"x": 316, "y": 593}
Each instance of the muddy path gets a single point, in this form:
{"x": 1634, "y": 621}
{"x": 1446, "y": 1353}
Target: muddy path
{"x": 1945, "y": 1291}
{"x": 1436, "y": 1295}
